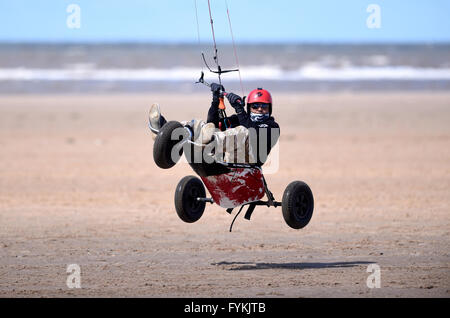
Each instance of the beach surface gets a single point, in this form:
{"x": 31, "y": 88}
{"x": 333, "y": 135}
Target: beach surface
{"x": 79, "y": 186}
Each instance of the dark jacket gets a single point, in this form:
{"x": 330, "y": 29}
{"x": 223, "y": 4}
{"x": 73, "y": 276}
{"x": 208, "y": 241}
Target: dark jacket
{"x": 265, "y": 129}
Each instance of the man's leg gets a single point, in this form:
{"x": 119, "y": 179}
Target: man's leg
{"x": 236, "y": 147}
{"x": 202, "y": 131}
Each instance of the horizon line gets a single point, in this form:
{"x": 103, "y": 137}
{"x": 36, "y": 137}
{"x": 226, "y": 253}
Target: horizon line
{"x": 246, "y": 43}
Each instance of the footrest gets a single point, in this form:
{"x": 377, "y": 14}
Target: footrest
{"x": 250, "y": 210}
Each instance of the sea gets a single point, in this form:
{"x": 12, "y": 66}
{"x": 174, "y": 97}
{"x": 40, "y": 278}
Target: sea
{"x": 45, "y": 68}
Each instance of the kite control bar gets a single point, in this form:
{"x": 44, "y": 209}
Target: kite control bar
{"x": 201, "y": 80}
{"x": 222, "y": 115}
{"x": 221, "y": 93}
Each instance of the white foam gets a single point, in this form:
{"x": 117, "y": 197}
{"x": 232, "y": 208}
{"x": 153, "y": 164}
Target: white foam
{"x": 308, "y": 72}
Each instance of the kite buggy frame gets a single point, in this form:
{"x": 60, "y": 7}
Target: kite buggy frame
{"x": 231, "y": 185}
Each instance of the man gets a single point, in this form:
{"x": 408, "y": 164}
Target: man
{"x": 256, "y": 118}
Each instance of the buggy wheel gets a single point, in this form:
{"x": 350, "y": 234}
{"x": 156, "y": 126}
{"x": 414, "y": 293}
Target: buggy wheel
{"x": 297, "y": 204}
{"x": 162, "y": 148}
{"x": 189, "y": 209}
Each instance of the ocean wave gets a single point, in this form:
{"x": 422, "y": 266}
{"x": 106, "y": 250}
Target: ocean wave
{"x": 309, "y": 72}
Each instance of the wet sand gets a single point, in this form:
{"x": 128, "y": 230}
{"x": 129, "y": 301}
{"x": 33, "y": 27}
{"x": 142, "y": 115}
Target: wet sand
{"x": 79, "y": 186}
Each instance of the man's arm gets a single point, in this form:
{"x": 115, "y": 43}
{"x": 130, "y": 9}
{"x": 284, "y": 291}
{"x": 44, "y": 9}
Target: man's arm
{"x": 238, "y": 104}
{"x": 213, "y": 113}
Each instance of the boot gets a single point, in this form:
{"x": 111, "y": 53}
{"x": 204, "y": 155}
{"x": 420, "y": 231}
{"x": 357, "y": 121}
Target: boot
{"x": 156, "y": 120}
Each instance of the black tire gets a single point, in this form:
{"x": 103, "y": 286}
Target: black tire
{"x": 162, "y": 148}
{"x": 297, "y": 204}
{"x": 188, "y": 190}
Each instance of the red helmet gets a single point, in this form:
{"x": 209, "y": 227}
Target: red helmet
{"x": 259, "y": 95}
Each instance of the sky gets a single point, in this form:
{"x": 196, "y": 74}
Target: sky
{"x": 253, "y": 21}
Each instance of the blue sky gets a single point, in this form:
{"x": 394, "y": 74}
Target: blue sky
{"x": 253, "y": 21}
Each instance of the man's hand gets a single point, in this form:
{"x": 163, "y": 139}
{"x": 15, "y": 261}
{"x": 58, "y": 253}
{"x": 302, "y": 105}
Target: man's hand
{"x": 235, "y": 100}
{"x": 216, "y": 88}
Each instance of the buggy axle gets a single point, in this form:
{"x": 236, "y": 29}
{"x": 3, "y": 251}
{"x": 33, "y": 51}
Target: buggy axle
{"x": 210, "y": 200}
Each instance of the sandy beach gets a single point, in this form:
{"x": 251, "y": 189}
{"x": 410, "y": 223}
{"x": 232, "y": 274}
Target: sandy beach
{"x": 78, "y": 185}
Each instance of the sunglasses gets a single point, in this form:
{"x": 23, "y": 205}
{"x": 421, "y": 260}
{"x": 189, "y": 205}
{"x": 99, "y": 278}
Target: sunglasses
{"x": 258, "y": 105}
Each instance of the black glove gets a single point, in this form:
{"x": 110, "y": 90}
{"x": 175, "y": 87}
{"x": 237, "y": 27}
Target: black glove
{"x": 216, "y": 88}
{"x": 235, "y": 100}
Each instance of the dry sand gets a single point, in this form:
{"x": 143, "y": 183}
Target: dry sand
{"x": 79, "y": 186}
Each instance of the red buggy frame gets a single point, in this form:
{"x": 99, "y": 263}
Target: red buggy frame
{"x": 230, "y": 185}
